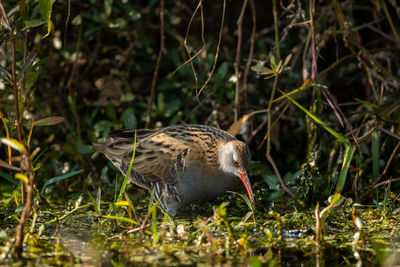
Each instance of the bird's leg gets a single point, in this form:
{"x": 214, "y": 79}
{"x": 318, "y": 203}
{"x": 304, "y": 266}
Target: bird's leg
{"x": 168, "y": 196}
{"x": 180, "y": 164}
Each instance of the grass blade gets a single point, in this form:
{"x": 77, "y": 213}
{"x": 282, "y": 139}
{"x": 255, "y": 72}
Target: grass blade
{"x": 120, "y": 219}
{"x": 375, "y": 153}
{"x": 126, "y": 179}
{"x": 338, "y": 136}
{"x": 348, "y": 156}
{"x": 59, "y": 178}
{"x": 93, "y": 202}
{"x": 305, "y": 85}
{"x": 385, "y": 198}
{"x": 9, "y": 178}
{"x": 151, "y": 200}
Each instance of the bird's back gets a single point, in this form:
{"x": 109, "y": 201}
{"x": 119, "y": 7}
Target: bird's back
{"x": 157, "y": 151}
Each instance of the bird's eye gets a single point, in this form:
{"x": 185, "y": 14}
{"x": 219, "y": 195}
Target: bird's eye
{"x": 236, "y": 163}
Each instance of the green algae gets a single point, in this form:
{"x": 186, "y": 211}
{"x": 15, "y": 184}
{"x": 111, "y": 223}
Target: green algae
{"x": 224, "y": 234}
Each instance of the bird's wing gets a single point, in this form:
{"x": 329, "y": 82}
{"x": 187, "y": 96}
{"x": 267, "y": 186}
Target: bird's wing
{"x": 161, "y": 158}
{"x": 158, "y": 156}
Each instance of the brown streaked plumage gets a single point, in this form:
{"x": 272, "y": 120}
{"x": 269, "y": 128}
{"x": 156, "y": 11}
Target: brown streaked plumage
{"x": 182, "y": 163}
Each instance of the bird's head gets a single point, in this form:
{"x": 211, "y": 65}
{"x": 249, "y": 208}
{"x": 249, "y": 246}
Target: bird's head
{"x": 234, "y": 159}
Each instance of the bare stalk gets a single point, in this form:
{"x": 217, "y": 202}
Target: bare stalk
{"x": 276, "y": 23}
{"x": 284, "y": 187}
{"x": 202, "y": 39}
{"x": 237, "y": 59}
{"x": 25, "y": 213}
{"x": 276, "y": 29}
{"x": 317, "y": 224}
{"x": 251, "y": 52}
{"x": 313, "y": 50}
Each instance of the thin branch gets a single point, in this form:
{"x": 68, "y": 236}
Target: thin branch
{"x": 216, "y": 52}
{"x": 4, "y": 20}
{"x": 386, "y": 182}
{"x": 66, "y": 23}
{"x": 25, "y": 213}
{"x": 251, "y": 52}
{"x": 16, "y": 94}
{"x": 276, "y": 29}
{"x": 389, "y": 133}
{"x": 313, "y": 50}
{"x": 190, "y": 60}
{"x": 372, "y": 187}
{"x": 237, "y": 59}
{"x": 339, "y": 113}
{"x": 284, "y": 187}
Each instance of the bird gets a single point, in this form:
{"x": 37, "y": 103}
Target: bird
{"x": 182, "y": 163}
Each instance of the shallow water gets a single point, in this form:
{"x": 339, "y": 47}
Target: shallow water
{"x": 88, "y": 239}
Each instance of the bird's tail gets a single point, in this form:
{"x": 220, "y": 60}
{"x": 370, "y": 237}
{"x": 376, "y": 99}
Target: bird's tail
{"x": 99, "y": 147}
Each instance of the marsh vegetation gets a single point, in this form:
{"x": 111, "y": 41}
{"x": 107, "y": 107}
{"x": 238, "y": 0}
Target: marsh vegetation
{"x": 312, "y": 88}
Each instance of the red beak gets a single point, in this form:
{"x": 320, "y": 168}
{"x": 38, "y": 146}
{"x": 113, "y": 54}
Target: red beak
{"x": 246, "y": 181}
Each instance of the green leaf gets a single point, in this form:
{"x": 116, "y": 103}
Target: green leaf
{"x": 160, "y": 101}
{"x": 93, "y": 202}
{"x": 172, "y": 107}
{"x": 33, "y": 23}
{"x": 168, "y": 85}
{"x": 59, "y": 178}
{"x": 103, "y": 126}
{"x": 31, "y": 78}
{"x": 45, "y": 7}
{"x": 122, "y": 203}
{"x": 8, "y": 177}
{"x": 49, "y": 28}
{"x": 120, "y": 218}
{"x": 77, "y": 20}
{"x": 336, "y": 198}
{"x": 222, "y": 70}
{"x": 111, "y": 113}
{"x": 348, "y": 156}
{"x": 14, "y": 144}
{"x": 22, "y": 177}
{"x": 48, "y": 121}
{"x": 272, "y": 61}
{"x": 85, "y": 149}
{"x": 271, "y": 180}
{"x": 255, "y": 262}
{"x": 387, "y": 192}
{"x": 261, "y": 69}
{"x": 129, "y": 118}
{"x": 108, "y": 7}
{"x": 367, "y": 104}
{"x": 378, "y": 205}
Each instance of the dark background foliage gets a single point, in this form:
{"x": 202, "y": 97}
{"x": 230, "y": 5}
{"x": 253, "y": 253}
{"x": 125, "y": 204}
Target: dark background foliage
{"x": 96, "y": 67}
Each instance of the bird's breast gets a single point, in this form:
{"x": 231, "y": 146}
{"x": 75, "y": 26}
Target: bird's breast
{"x": 198, "y": 182}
